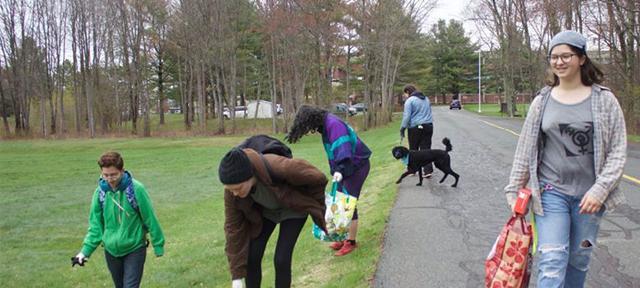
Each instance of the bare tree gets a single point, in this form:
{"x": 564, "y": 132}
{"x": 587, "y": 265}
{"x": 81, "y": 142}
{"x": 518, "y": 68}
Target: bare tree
{"x": 616, "y": 26}
{"x": 158, "y": 38}
{"x": 3, "y": 108}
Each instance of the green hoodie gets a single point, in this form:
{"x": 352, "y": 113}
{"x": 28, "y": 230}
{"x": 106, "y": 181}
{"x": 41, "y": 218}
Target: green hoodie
{"x": 122, "y": 231}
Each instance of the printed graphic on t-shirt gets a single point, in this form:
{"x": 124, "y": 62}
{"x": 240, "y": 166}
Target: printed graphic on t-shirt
{"x": 577, "y": 138}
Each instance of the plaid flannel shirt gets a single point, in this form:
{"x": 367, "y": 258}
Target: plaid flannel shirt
{"x": 609, "y": 145}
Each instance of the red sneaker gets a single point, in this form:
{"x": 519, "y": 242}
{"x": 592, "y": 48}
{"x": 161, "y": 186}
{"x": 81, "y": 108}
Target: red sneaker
{"x": 336, "y": 245}
{"x": 347, "y": 248}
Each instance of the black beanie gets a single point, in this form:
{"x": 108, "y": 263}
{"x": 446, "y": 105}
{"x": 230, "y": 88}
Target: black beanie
{"x": 235, "y": 167}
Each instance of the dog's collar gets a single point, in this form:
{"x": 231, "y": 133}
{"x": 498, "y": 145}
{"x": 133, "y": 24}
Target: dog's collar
{"x": 405, "y": 160}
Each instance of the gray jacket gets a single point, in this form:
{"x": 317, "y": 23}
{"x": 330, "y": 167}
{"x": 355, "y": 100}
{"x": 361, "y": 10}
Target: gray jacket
{"x": 610, "y": 148}
{"x": 417, "y": 110}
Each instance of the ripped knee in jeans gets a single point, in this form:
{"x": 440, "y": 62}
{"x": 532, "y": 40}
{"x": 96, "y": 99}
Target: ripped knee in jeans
{"x": 580, "y": 257}
{"x": 553, "y": 260}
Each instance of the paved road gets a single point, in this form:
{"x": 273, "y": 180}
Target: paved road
{"x": 438, "y": 236}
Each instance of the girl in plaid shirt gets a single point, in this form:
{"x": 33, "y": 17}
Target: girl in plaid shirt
{"x": 571, "y": 153}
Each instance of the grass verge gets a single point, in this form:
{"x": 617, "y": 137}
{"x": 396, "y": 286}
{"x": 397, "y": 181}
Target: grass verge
{"x": 46, "y": 189}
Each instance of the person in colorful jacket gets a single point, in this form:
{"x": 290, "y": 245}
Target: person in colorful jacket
{"x": 418, "y": 119}
{"x": 348, "y": 158}
{"x": 571, "y": 154}
{"x": 260, "y": 192}
{"x": 121, "y": 215}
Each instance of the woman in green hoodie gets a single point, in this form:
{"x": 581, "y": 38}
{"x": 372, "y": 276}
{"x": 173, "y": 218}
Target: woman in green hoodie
{"x": 120, "y": 217}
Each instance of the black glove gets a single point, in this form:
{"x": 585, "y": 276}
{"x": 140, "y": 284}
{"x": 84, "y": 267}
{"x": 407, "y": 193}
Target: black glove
{"x": 402, "y": 132}
{"x": 74, "y": 261}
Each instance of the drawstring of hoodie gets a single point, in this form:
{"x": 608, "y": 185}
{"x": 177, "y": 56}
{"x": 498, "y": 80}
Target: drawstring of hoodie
{"x": 121, "y": 209}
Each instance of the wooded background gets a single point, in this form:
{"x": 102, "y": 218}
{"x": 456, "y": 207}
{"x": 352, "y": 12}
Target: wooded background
{"x": 92, "y": 67}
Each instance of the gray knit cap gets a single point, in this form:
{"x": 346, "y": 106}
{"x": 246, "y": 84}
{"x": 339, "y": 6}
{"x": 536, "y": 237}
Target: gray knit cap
{"x": 571, "y": 38}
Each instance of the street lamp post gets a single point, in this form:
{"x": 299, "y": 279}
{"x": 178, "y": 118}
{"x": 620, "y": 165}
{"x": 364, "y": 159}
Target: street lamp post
{"x": 479, "y": 81}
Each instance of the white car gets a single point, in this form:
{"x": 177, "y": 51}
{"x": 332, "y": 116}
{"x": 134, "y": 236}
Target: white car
{"x": 240, "y": 112}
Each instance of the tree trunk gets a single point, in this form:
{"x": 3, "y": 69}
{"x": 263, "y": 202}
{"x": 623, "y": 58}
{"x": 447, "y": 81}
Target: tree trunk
{"x": 202, "y": 106}
{"x": 147, "y": 107}
{"x": 274, "y": 126}
{"x": 84, "y": 63}
{"x": 133, "y": 107}
{"x": 220, "y": 101}
{"x": 3, "y": 107}
{"x": 96, "y": 66}
{"x": 161, "y": 99}
{"x": 188, "y": 116}
{"x": 76, "y": 95}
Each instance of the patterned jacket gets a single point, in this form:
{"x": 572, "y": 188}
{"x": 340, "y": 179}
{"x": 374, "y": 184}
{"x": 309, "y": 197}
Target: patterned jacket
{"x": 609, "y": 145}
{"x": 338, "y": 139}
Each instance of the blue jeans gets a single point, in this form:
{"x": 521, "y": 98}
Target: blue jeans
{"x": 565, "y": 240}
{"x": 126, "y": 271}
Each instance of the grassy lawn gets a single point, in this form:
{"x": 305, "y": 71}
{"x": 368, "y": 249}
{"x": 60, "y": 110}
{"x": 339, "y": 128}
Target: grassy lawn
{"x": 494, "y": 109}
{"x": 46, "y": 188}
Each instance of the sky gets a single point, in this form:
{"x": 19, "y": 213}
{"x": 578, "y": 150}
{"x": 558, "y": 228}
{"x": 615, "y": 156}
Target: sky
{"x": 451, "y": 9}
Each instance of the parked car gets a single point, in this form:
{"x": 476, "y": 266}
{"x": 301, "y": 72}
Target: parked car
{"x": 359, "y": 107}
{"x": 455, "y": 104}
{"x": 341, "y": 108}
{"x": 240, "y": 112}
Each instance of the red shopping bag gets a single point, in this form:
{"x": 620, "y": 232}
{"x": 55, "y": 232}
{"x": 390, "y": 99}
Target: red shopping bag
{"x": 509, "y": 261}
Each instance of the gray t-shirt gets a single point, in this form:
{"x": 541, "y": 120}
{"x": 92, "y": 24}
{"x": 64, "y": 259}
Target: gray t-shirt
{"x": 272, "y": 209}
{"x": 567, "y": 156}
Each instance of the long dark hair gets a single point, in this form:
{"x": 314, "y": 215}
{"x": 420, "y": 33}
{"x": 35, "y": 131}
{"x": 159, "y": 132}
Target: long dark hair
{"x": 590, "y": 73}
{"x": 309, "y": 119}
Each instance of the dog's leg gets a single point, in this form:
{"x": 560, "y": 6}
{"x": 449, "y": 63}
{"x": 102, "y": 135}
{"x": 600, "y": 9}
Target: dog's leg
{"x": 405, "y": 174}
{"x": 442, "y": 166}
{"x": 445, "y": 176}
{"x": 455, "y": 175}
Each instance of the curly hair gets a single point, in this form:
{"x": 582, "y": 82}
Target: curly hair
{"x": 308, "y": 119}
{"x": 111, "y": 159}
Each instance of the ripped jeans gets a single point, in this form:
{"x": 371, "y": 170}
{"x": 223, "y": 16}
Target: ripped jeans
{"x": 565, "y": 240}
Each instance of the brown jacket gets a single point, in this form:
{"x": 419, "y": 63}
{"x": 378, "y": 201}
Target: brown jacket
{"x": 299, "y": 186}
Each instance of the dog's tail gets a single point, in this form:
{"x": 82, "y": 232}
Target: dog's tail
{"x": 447, "y": 143}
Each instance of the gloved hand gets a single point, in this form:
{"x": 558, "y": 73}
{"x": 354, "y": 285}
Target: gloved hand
{"x": 337, "y": 177}
{"x": 79, "y": 259}
{"x": 237, "y": 283}
{"x": 402, "y": 132}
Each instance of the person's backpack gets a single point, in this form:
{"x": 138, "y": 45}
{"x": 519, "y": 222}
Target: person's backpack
{"x": 131, "y": 198}
{"x": 129, "y": 192}
{"x": 264, "y": 144}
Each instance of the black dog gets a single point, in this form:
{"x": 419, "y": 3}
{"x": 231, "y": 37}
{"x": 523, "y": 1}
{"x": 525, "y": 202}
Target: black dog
{"x": 418, "y": 159}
